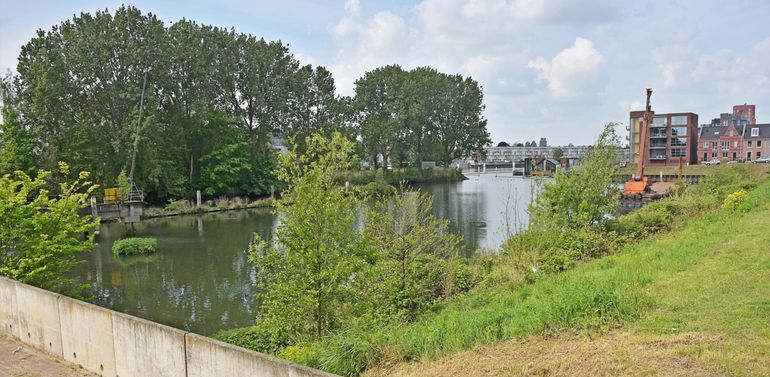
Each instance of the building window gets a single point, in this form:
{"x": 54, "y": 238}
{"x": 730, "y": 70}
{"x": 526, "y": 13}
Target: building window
{"x": 725, "y": 145}
{"x": 713, "y": 154}
{"x": 678, "y": 141}
{"x": 678, "y": 153}
{"x": 755, "y": 132}
{"x": 705, "y": 144}
{"x": 759, "y": 154}
{"x": 735, "y": 144}
{"x": 659, "y": 121}
{"x": 724, "y": 154}
{"x": 678, "y": 131}
{"x": 749, "y": 143}
{"x": 759, "y": 143}
{"x": 713, "y": 145}
{"x": 679, "y": 120}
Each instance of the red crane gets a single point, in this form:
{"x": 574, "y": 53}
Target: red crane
{"x": 638, "y": 183}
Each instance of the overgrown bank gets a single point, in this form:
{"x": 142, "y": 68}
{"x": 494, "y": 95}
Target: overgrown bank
{"x": 540, "y": 280}
{"x": 512, "y": 303}
{"x": 699, "y": 306}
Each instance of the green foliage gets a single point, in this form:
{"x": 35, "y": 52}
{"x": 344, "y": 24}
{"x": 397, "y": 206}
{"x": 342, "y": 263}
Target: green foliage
{"x": 17, "y": 144}
{"x": 303, "y": 279}
{"x": 411, "y": 116}
{"x": 583, "y": 195}
{"x": 414, "y": 259}
{"x": 135, "y": 246}
{"x": 41, "y": 231}
{"x": 257, "y": 338}
{"x": 735, "y": 199}
{"x": 124, "y": 186}
{"x": 225, "y": 169}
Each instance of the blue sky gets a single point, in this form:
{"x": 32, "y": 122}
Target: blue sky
{"x": 558, "y": 69}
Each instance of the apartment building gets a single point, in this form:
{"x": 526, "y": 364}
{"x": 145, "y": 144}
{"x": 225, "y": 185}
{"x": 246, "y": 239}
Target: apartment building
{"x": 672, "y": 137}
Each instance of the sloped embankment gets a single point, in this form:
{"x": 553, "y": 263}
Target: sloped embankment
{"x": 693, "y": 302}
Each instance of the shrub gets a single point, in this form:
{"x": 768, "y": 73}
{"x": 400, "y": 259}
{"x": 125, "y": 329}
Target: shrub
{"x": 255, "y": 338}
{"x": 135, "y": 246}
{"x": 181, "y": 206}
{"x": 735, "y": 199}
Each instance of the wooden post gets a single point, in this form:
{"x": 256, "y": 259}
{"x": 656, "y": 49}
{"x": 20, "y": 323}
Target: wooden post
{"x": 94, "y": 208}
{"x": 198, "y": 198}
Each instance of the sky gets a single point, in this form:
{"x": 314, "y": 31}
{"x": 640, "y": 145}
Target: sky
{"x": 558, "y": 69}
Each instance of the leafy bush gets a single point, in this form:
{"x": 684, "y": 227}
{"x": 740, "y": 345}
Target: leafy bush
{"x": 180, "y": 206}
{"x": 255, "y": 338}
{"x": 376, "y": 190}
{"x": 735, "y": 199}
{"x": 135, "y": 246}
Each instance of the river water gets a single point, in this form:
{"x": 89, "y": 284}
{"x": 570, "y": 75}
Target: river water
{"x": 200, "y": 280}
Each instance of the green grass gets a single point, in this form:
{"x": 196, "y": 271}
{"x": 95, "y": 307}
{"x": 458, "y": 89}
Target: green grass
{"x": 135, "y": 246}
{"x": 687, "y": 280}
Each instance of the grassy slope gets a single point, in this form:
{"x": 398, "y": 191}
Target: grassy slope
{"x": 696, "y": 300}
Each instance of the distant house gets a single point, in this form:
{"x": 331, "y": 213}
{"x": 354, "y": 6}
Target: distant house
{"x": 721, "y": 143}
{"x": 743, "y": 142}
{"x": 756, "y": 141}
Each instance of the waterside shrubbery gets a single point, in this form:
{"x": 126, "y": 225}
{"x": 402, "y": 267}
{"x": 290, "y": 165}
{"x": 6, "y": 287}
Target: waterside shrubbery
{"x": 135, "y": 246}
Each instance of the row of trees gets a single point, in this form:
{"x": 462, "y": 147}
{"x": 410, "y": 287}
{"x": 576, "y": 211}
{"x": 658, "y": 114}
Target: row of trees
{"x": 215, "y": 99}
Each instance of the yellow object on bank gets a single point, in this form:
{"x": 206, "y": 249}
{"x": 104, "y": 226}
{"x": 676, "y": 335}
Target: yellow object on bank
{"x": 111, "y": 195}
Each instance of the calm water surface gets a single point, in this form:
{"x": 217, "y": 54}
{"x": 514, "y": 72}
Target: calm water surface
{"x": 200, "y": 280}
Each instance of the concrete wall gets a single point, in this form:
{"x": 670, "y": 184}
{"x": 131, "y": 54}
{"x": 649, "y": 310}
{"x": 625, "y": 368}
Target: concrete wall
{"x": 115, "y": 344}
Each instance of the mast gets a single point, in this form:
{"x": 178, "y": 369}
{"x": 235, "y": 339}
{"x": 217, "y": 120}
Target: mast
{"x": 138, "y": 128}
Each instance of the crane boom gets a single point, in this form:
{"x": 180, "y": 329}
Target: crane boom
{"x": 638, "y": 183}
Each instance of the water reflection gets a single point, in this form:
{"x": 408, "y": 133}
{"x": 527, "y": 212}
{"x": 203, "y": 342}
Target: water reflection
{"x": 200, "y": 280}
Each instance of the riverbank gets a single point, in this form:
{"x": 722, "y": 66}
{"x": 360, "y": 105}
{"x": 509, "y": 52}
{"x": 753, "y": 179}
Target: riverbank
{"x": 361, "y": 178}
{"x": 186, "y": 207}
{"x": 406, "y": 175}
{"x": 571, "y": 291}
{"x": 690, "y": 302}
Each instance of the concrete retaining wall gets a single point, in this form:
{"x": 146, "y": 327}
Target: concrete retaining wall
{"x": 115, "y": 344}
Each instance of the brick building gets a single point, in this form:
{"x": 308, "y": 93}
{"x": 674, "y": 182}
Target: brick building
{"x": 672, "y": 137}
{"x": 747, "y": 112}
{"x": 756, "y": 141}
{"x": 721, "y": 143}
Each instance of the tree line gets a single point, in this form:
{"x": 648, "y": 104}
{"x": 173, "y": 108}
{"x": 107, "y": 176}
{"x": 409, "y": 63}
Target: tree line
{"x": 214, "y": 101}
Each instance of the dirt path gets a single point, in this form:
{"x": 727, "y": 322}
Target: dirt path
{"x": 20, "y": 360}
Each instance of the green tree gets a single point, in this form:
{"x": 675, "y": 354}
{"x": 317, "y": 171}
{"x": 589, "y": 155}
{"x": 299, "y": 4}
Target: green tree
{"x": 304, "y": 279}
{"x": 17, "y": 144}
{"x": 40, "y": 233}
{"x": 379, "y": 108}
{"x": 583, "y": 195}
{"x": 558, "y": 153}
{"x": 124, "y": 186}
{"x": 414, "y": 261}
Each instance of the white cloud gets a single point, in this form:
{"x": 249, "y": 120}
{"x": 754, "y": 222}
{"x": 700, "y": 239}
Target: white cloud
{"x": 364, "y": 43}
{"x": 571, "y": 70}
